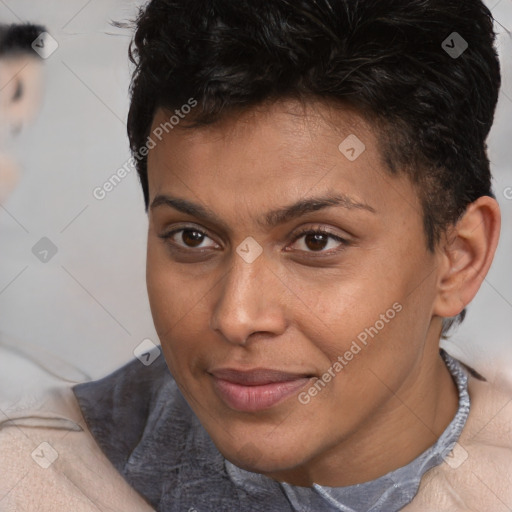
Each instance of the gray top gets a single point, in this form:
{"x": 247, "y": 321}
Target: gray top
{"x": 146, "y": 428}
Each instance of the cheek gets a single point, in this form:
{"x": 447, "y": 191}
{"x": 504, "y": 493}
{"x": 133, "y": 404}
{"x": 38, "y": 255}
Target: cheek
{"x": 170, "y": 296}
{"x": 336, "y": 308}
{"x": 168, "y": 306}
{"x": 159, "y": 285}
{"x": 369, "y": 319}
{"x": 178, "y": 305}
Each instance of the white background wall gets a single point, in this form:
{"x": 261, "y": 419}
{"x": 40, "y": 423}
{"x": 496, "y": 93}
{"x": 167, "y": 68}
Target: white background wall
{"x": 88, "y": 304}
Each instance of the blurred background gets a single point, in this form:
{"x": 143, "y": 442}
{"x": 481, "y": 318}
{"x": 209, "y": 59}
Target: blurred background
{"x": 73, "y": 302}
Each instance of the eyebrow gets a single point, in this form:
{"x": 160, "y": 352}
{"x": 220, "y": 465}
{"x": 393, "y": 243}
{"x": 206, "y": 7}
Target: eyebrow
{"x": 273, "y": 217}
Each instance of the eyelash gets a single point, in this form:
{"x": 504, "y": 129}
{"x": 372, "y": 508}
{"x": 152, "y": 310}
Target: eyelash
{"x": 306, "y": 231}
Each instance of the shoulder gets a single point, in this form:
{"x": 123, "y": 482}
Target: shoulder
{"x": 145, "y": 427}
{"x": 121, "y": 407}
{"x": 51, "y": 462}
{"x": 476, "y": 475}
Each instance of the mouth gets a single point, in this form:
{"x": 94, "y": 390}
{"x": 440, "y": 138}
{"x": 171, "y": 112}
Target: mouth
{"x": 257, "y": 389}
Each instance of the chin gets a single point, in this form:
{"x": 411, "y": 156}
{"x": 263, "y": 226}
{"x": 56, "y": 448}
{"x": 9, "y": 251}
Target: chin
{"x": 264, "y": 458}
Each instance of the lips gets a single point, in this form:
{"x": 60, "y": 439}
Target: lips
{"x": 256, "y": 389}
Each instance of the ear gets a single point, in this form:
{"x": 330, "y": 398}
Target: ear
{"x": 465, "y": 255}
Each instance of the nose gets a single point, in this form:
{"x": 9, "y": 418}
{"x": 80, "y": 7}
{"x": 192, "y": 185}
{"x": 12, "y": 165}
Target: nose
{"x": 250, "y": 301}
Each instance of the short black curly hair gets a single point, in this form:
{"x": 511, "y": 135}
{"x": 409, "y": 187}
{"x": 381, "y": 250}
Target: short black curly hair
{"x": 387, "y": 58}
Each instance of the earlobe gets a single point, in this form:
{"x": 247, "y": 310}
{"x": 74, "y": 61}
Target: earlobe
{"x": 466, "y": 256}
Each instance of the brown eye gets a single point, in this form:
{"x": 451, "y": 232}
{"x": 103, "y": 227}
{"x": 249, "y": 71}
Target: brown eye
{"x": 192, "y": 238}
{"x": 316, "y": 240}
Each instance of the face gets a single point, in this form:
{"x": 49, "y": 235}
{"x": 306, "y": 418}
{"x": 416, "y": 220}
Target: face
{"x": 287, "y": 328}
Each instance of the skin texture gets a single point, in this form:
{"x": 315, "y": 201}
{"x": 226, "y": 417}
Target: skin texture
{"x": 301, "y": 303}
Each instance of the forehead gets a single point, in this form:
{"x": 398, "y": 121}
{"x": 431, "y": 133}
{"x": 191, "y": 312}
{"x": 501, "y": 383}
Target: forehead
{"x": 286, "y": 121}
{"x": 275, "y": 154}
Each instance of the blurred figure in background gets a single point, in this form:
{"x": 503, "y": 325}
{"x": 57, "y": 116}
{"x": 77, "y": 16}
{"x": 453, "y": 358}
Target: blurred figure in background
{"x": 21, "y": 80}
{"x": 25, "y": 370}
